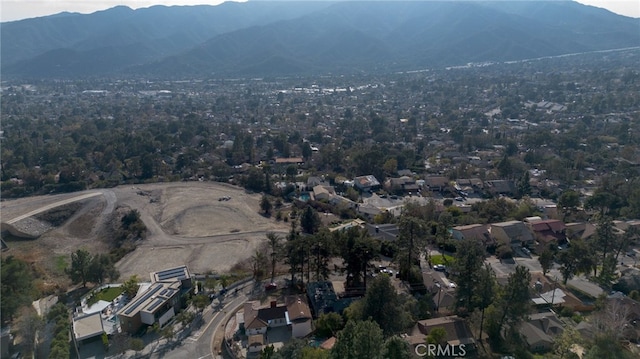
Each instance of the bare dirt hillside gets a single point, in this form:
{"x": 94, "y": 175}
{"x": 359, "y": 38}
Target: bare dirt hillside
{"x": 208, "y": 226}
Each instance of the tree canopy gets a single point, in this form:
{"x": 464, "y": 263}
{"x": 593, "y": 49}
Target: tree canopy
{"x": 17, "y": 286}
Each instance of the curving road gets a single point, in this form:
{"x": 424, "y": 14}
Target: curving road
{"x": 200, "y": 344}
{"x": 52, "y": 206}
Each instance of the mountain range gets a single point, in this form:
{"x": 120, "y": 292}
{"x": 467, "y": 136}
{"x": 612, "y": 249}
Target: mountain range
{"x": 284, "y": 38}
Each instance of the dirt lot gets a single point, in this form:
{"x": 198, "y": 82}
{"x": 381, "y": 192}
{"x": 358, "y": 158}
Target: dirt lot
{"x": 187, "y": 223}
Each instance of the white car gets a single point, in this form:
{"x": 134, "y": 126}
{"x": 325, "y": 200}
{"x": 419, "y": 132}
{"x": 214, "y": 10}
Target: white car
{"x": 452, "y": 285}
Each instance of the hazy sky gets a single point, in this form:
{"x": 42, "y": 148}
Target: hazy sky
{"x": 21, "y": 9}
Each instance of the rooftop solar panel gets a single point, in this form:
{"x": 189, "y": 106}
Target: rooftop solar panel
{"x": 137, "y": 303}
{"x": 155, "y": 304}
{"x": 171, "y": 273}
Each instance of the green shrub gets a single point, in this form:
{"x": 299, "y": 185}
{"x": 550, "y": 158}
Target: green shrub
{"x": 105, "y": 341}
{"x": 577, "y": 318}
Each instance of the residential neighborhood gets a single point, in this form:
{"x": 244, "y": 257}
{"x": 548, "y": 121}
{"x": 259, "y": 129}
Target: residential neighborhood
{"x": 485, "y": 211}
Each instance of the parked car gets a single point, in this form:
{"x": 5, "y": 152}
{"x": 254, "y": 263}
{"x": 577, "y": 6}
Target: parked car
{"x": 271, "y": 286}
{"x": 440, "y": 267}
{"x": 387, "y": 271}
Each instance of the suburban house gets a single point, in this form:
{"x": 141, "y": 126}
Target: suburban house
{"x": 313, "y": 181}
{"x": 159, "y": 302}
{"x": 497, "y": 187}
{"x": 257, "y": 320}
{"x": 442, "y": 293}
{"x": 436, "y": 183}
{"x": 475, "y": 232}
{"x": 366, "y": 183}
{"x": 515, "y": 233}
{"x": 299, "y": 315}
{"x": 368, "y": 211}
{"x": 540, "y": 330}
{"x": 401, "y": 185}
{"x": 340, "y": 201}
{"x": 580, "y": 230}
{"x": 458, "y": 332}
{"x": 546, "y": 291}
{"x": 469, "y": 185}
{"x": 546, "y": 232}
{"x": 253, "y": 324}
{"x": 323, "y": 193}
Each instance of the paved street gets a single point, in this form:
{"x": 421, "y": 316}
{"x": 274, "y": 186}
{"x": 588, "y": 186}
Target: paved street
{"x": 199, "y": 344}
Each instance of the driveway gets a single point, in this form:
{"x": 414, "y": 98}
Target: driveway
{"x": 503, "y": 268}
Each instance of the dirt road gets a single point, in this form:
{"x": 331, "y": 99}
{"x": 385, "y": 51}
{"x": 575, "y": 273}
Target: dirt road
{"x": 208, "y": 226}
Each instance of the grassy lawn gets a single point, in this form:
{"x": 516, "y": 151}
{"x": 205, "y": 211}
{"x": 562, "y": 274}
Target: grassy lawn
{"x": 442, "y": 259}
{"x": 106, "y": 294}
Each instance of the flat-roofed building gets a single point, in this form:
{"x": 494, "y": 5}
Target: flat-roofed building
{"x": 180, "y": 274}
{"x": 156, "y": 304}
{"x": 87, "y": 326}
{"x": 159, "y": 302}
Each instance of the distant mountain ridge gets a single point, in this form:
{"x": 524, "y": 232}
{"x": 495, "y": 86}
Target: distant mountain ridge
{"x": 260, "y": 38}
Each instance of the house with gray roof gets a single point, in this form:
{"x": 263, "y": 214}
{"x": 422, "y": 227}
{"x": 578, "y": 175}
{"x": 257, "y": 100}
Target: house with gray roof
{"x": 457, "y": 329}
{"x": 366, "y": 183}
{"x": 515, "y": 233}
{"x": 540, "y": 330}
{"x": 497, "y": 187}
{"x": 475, "y": 232}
